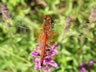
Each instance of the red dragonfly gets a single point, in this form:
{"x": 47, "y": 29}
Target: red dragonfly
{"x": 45, "y": 35}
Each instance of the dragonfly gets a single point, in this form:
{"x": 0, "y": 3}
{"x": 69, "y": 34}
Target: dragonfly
{"x": 45, "y": 36}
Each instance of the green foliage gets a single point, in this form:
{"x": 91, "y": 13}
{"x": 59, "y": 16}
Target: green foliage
{"x": 26, "y": 17}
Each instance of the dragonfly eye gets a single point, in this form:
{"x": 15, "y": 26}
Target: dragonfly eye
{"x": 50, "y": 20}
{"x": 44, "y": 19}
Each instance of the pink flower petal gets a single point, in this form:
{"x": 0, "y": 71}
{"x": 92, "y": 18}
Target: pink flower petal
{"x": 34, "y": 53}
{"x": 51, "y": 62}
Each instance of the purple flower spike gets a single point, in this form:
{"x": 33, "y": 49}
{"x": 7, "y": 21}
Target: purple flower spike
{"x": 85, "y": 67}
{"x": 47, "y": 62}
{"x": 82, "y": 67}
{"x": 82, "y": 64}
{"x": 91, "y": 62}
{"x": 4, "y": 11}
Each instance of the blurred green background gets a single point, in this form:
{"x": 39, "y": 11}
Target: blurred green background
{"x": 74, "y": 24}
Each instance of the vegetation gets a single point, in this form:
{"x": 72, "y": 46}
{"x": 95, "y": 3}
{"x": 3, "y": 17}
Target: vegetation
{"x": 74, "y": 26}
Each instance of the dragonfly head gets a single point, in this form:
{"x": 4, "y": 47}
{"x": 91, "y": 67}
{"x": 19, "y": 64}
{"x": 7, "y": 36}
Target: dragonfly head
{"x": 48, "y": 18}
